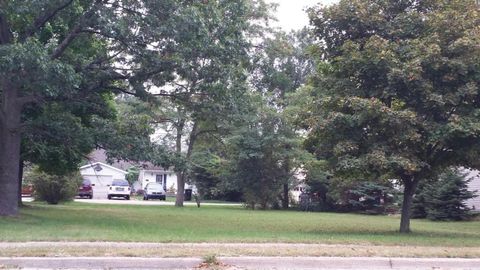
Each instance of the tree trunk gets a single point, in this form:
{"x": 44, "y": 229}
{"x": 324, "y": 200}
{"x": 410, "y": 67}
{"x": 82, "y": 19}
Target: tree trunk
{"x": 20, "y": 182}
{"x": 409, "y": 191}
{"x": 180, "y": 197}
{"x": 286, "y": 189}
{"x": 285, "y": 199}
{"x": 10, "y": 137}
{"x": 10, "y": 113}
{"x": 181, "y": 175}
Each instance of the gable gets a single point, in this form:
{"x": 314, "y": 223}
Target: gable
{"x": 102, "y": 169}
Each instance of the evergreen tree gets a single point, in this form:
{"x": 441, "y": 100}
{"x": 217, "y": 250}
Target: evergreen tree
{"x": 419, "y": 204}
{"x": 446, "y": 200}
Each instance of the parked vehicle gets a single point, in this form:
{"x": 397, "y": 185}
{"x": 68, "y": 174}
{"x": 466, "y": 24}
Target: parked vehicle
{"x": 85, "y": 189}
{"x": 27, "y": 190}
{"x": 154, "y": 191}
{"x": 119, "y": 188}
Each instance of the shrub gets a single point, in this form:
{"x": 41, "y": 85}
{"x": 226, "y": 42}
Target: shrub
{"x": 54, "y": 188}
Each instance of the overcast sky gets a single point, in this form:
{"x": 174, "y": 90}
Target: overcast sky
{"x": 291, "y": 13}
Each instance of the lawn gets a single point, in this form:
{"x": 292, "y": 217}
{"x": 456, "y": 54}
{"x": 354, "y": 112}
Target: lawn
{"x": 78, "y": 221}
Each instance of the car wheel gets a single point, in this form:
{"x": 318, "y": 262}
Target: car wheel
{"x": 127, "y": 197}
{"x": 109, "y": 197}
{"x": 90, "y": 197}
{"x": 146, "y": 198}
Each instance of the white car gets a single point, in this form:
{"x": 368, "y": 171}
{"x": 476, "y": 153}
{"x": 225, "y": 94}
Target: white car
{"x": 119, "y": 188}
{"x": 154, "y": 191}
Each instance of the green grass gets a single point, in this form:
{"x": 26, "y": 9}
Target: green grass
{"x": 131, "y": 223}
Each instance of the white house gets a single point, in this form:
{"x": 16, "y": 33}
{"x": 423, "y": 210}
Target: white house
{"x": 101, "y": 176}
{"x": 474, "y": 185}
{"x": 157, "y": 174}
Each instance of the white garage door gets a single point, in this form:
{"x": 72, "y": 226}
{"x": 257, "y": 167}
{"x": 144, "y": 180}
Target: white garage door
{"x": 100, "y": 185}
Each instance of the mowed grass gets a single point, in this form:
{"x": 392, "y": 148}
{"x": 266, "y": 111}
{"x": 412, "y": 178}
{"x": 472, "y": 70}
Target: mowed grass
{"x": 132, "y": 223}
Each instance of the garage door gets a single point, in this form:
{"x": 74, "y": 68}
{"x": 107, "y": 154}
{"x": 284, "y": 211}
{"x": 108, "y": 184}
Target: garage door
{"x": 100, "y": 185}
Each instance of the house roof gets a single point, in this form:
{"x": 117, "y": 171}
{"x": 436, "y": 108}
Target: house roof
{"x": 99, "y": 155}
{"x": 103, "y": 165}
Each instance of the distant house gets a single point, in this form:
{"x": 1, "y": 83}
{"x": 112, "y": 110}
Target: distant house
{"x": 101, "y": 176}
{"x": 147, "y": 172}
{"x": 474, "y": 185}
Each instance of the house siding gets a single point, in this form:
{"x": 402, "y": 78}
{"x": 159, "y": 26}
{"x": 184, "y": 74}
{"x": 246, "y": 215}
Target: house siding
{"x": 474, "y": 185}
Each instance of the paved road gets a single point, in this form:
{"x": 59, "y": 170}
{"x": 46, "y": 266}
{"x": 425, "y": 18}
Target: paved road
{"x": 137, "y": 202}
{"x": 278, "y": 263}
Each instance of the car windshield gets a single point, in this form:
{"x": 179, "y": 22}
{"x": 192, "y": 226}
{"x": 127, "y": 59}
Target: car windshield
{"x": 119, "y": 183}
{"x": 86, "y": 183}
{"x": 155, "y": 186}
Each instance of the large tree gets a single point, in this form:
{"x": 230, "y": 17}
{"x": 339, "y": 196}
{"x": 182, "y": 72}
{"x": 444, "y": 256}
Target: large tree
{"x": 66, "y": 57}
{"x": 398, "y": 94}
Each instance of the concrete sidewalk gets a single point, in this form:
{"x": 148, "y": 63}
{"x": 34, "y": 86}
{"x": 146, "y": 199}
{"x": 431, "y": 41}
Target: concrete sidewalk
{"x": 239, "y": 263}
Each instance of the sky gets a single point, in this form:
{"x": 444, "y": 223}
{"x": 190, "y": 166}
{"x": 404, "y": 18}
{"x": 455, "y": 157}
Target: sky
{"x": 291, "y": 13}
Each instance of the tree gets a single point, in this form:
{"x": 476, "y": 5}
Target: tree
{"x": 210, "y": 61}
{"x": 280, "y": 66}
{"x": 257, "y": 149}
{"x": 397, "y": 95}
{"x": 69, "y": 56}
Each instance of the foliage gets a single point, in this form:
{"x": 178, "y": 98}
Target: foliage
{"x": 257, "y": 150}
{"x": 207, "y": 182}
{"x": 280, "y": 66}
{"x": 370, "y": 197}
{"x": 319, "y": 183}
{"x": 397, "y": 96}
{"x": 329, "y": 193}
{"x": 446, "y": 200}
{"x": 132, "y": 174}
{"x": 54, "y": 188}
{"x": 420, "y": 201}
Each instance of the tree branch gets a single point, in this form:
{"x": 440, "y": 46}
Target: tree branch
{"x": 121, "y": 90}
{"x": 74, "y": 32}
{"x": 40, "y": 21}
{"x": 66, "y": 42}
{"x": 21, "y": 101}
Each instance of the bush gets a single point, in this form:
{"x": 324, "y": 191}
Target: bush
{"x": 54, "y": 188}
